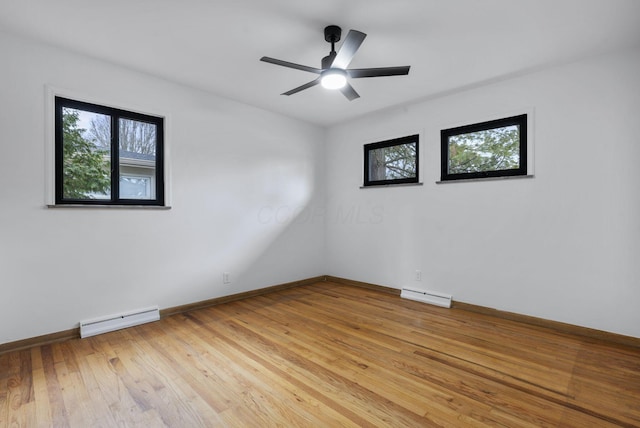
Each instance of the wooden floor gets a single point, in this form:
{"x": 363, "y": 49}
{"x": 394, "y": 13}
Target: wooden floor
{"x": 323, "y": 355}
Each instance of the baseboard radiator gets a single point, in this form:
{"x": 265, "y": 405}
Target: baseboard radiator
{"x": 426, "y": 296}
{"x": 119, "y": 321}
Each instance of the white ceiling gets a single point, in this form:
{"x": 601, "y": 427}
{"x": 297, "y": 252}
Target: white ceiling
{"x": 215, "y": 45}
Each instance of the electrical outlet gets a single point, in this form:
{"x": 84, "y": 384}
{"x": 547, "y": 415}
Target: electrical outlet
{"x": 226, "y": 278}
{"x": 418, "y": 275}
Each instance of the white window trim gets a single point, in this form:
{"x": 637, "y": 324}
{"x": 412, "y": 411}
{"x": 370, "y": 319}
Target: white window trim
{"x": 51, "y": 93}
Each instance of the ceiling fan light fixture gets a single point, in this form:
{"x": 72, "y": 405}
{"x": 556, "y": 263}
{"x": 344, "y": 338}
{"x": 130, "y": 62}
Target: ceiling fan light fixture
{"x": 335, "y": 69}
{"x": 333, "y": 78}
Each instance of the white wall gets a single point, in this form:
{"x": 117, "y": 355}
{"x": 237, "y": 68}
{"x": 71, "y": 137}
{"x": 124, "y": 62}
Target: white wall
{"x": 564, "y": 245}
{"x": 249, "y": 188}
{"x": 240, "y": 176}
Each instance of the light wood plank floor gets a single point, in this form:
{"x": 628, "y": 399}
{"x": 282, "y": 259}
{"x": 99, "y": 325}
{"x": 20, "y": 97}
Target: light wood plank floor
{"x": 323, "y": 355}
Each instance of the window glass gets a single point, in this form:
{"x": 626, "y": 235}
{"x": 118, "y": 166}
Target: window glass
{"x": 137, "y": 156}
{"x": 86, "y": 162}
{"x": 135, "y": 187}
{"x": 392, "y": 161}
{"x": 489, "y": 149}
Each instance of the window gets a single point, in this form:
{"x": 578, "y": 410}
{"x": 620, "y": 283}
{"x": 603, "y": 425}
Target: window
{"x": 497, "y": 148}
{"x": 391, "y": 162}
{"x": 107, "y": 156}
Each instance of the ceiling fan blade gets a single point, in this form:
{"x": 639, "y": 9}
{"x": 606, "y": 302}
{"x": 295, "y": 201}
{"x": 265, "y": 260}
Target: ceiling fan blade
{"x": 291, "y": 65}
{"x": 378, "y": 72}
{"x": 348, "y": 49}
{"x": 302, "y": 87}
{"x": 349, "y": 92}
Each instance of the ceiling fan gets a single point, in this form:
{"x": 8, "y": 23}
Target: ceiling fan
{"x": 334, "y": 72}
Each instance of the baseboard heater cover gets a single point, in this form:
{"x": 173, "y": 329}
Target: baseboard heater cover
{"x": 426, "y": 296}
{"x": 119, "y": 321}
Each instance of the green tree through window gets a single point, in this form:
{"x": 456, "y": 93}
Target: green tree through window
{"x": 86, "y": 168}
{"x": 497, "y": 148}
{"x": 392, "y": 161}
{"x": 490, "y": 150}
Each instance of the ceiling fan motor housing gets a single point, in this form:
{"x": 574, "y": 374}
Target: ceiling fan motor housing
{"x": 332, "y": 33}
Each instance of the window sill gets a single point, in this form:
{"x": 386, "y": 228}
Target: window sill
{"x": 377, "y": 186}
{"x": 111, "y": 207}
{"x": 469, "y": 180}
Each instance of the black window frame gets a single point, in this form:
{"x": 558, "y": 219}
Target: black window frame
{"x": 445, "y": 134}
{"x": 390, "y": 143}
{"x": 116, "y": 114}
